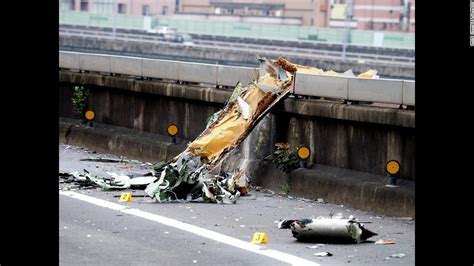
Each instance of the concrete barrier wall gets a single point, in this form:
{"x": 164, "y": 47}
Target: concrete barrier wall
{"x": 355, "y": 137}
{"x": 346, "y": 88}
{"x": 224, "y": 56}
{"x": 350, "y": 144}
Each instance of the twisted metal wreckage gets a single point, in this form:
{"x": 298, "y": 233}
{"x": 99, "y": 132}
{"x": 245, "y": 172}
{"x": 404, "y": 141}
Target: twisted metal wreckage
{"x": 189, "y": 176}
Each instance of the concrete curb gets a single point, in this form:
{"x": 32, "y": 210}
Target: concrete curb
{"x": 120, "y": 141}
{"x": 368, "y": 192}
{"x": 350, "y": 188}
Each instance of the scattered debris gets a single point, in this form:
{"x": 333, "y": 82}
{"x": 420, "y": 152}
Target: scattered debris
{"x": 141, "y": 181}
{"x": 400, "y": 255}
{"x": 337, "y": 216}
{"x": 316, "y": 246}
{"x": 133, "y": 195}
{"x": 321, "y": 200}
{"x": 327, "y": 230}
{"x": 188, "y": 179}
{"x": 109, "y": 160}
{"x": 236, "y": 181}
{"x": 322, "y": 254}
{"x": 384, "y": 241}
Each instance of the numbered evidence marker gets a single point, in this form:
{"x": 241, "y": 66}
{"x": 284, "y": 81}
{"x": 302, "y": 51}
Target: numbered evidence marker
{"x": 125, "y": 197}
{"x": 259, "y": 237}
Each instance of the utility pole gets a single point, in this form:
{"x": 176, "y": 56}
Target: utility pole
{"x": 347, "y": 27}
{"x": 406, "y": 15}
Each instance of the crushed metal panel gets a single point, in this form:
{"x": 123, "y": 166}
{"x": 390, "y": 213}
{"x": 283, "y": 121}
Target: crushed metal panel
{"x": 327, "y": 230}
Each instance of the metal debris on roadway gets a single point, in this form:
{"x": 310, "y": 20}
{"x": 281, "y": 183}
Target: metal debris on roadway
{"x": 114, "y": 182}
{"x": 384, "y": 242}
{"x": 109, "y": 160}
{"x": 316, "y": 246}
{"x": 322, "y": 254}
{"x": 400, "y": 255}
{"x": 327, "y": 230}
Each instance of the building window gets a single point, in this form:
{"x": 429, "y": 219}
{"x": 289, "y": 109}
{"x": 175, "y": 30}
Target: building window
{"x": 103, "y": 6}
{"x": 122, "y": 8}
{"x": 68, "y": 5}
{"x": 145, "y": 10}
{"x": 84, "y": 5}
{"x": 312, "y": 21}
{"x": 165, "y": 10}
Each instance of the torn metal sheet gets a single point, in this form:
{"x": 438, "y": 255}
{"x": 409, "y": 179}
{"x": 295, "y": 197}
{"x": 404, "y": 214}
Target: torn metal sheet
{"x": 106, "y": 183}
{"x": 110, "y": 183}
{"x": 238, "y": 118}
{"x": 177, "y": 180}
{"x": 244, "y": 107}
{"x": 141, "y": 181}
{"x": 187, "y": 179}
{"x": 215, "y": 191}
{"x": 238, "y": 181}
{"x": 327, "y": 230}
{"x": 78, "y": 179}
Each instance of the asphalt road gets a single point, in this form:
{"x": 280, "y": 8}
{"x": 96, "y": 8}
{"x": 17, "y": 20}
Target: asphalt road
{"x": 97, "y": 229}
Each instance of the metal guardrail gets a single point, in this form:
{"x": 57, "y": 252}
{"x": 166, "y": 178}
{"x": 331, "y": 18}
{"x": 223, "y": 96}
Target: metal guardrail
{"x": 347, "y": 88}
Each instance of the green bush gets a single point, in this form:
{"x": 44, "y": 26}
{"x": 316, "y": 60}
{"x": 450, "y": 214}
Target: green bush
{"x": 79, "y": 99}
{"x": 285, "y": 157}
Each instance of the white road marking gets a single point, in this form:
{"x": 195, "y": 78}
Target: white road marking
{"x": 288, "y": 258}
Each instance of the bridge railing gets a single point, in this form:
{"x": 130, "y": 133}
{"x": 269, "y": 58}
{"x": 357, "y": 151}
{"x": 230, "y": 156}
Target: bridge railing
{"x": 346, "y": 88}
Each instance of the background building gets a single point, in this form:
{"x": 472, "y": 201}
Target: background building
{"x": 127, "y": 7}
{"x": 377, "y": 15}
{"x": 380, "y": 15}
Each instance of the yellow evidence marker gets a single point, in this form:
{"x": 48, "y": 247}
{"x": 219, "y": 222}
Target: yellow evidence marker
{"x": 125, "y": 197}
{"x": 259, "y": 237}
